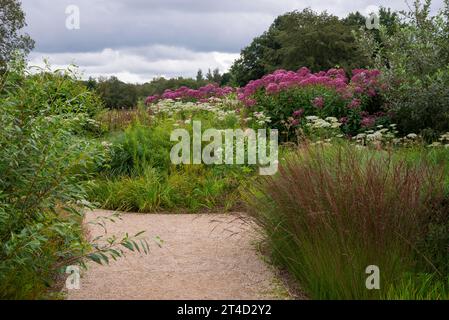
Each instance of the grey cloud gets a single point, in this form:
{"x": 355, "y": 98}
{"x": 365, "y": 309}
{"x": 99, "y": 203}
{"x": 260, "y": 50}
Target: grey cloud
{"x": 114, "y": 24}
{"x": 139, "y": 64}
{"x": 202, "y": 25}
{"x": 139, "y": 39}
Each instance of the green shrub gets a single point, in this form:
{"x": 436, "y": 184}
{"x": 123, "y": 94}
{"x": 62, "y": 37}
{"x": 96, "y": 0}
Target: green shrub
{"x": 421, "y": 105}
{"x": 414, "y": 61}
{"x": 281, "y": 106}
{"x": 47, "y": 92}
{"x": 41, "y": 164}
{"x": 140, "y": 147}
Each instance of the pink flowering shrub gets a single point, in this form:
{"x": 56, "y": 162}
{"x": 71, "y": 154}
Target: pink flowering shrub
{"x": 287, "y": 97}
{"x": 327, "y": 93}
{"x": 187, "y": 94}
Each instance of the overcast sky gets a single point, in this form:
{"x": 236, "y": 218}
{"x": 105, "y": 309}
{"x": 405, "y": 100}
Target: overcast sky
{"x": 137, "y": 40}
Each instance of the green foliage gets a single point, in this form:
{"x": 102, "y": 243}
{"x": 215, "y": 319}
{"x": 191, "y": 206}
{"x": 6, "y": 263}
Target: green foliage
{"x": 141, "y": 193}
{"x": 139, "y": 147}
{"x": 189, "y": 188}
{"x": 388, "y": 19}
{"x": 420, "y": 104}
{"x": 12, "y": 20}
{"x": 414, "y": 60}
{"x": 117, "y": 94}
{"x": 318, "y": 41}
{"x": 41, "y": 164}
{"x": 299, "y": 39}
{"x": 138, "y": 174}
{"x": 50, "y": 93}
{"x": 43, "y": 158}
{"x": 419, "y": 287}
{"x": 280, "y": 107}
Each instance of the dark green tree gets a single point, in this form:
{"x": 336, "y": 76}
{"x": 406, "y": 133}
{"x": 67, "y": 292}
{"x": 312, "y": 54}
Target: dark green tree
{"x": 317, "y": 41}
{"x": 12, "y": 20}
{"x": 251, "y": 63}
{"x": 414, "y": 60}
{"x": 209, "y": 76}
{"x": 216, "y": 76}
{"x": 297, "y": 39}
{"x": 225, "y": 79}
{"x": 355, "y": 19}
{"x": 117, "y": 94}
{"x": 199, "y": 76}
{"x": 91, "y": 83}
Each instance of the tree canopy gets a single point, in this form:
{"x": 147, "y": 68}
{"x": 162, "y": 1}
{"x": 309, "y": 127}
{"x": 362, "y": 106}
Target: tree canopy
{"x": 118, "y": 94}
{"x": 115, "y": 93}
{"x": 319, "y": 41}
{"x": 12, "y": 20}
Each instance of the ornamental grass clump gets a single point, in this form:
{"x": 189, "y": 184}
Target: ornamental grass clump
{"x": 331, "y": 212}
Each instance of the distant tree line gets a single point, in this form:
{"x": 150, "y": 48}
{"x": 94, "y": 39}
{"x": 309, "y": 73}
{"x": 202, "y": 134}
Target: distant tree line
{"x": 319, "y": 41}
{"x": 118, "y": 94}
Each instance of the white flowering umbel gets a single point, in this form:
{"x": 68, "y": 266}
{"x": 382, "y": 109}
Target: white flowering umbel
{"x": 226, "y": 147}
{"x": 260, "y": 118}
{"x": 318, "y": 123}
{"x": 381, "y": 136}
{"x": 322, "y": 131}
{"x": 443, "y": 141}
{"x": 171, "y": 108}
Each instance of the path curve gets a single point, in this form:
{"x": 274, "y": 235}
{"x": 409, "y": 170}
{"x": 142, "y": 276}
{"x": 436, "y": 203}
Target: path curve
{"x": 203, "y": 257}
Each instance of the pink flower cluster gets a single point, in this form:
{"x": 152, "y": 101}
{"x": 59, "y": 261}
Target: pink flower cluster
{"x": 362, "y": 82}
{"x": 369, "y": 120}
{"x": 355, "y": 103}
{"x": 366, "y": 81}
{"x": 294, "y": 120}
{"x": 185, "y": 93}
{"x": 318, "y": 102}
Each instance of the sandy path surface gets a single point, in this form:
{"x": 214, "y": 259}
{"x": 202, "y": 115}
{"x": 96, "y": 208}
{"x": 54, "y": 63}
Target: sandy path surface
{"x": 202, "y": 257}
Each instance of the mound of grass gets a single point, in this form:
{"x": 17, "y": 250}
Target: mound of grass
{"x": 333, "y": 211}
{"x": 193, "y": 188}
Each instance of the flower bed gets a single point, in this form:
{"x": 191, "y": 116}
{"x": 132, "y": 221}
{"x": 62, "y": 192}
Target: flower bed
{"x": 288, "y": 97}
{"x": 186, "y": 94}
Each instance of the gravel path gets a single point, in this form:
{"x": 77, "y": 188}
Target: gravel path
{"x": 202, "y": 257}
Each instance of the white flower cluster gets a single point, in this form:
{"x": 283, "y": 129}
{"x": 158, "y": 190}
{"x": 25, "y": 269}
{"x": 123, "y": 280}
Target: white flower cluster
{"x": 80, "y": 119}
{"x": 324, "y": 143}
{"x": 317, "y": 123}
{"x": 106, "y": 144}
{"x": 170, "y": 108}
{"x": 380, "y": 135}
{"x": 444, "y": 137}
{"x": 443, "y": 141}
{"x": 261, "y": 118}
